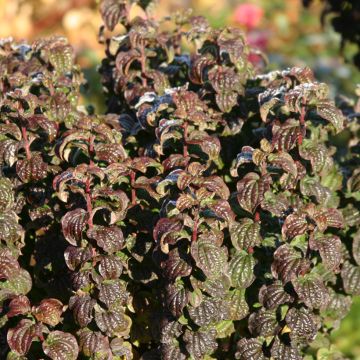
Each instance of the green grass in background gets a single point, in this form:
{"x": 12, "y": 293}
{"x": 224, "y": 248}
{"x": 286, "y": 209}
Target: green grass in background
{"x": 347, "y": 337}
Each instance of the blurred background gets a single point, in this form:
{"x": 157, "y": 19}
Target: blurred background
{"x": 290, "y": 35}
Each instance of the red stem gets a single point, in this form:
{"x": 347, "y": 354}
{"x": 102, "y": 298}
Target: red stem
{"x": 26, "y": 142}
{"x": 133, "y": 191}
{"x": 195, "y": 230}
{"x": 302, "y": 115}
{"x": 302, "y": 124}
{"x": 143, "y": 64}
{"x": 91, "y": 148}
{"x": 88, "y": 203}
{"x": 185, "y": 149}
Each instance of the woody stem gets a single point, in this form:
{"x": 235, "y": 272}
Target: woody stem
{"x": 185, "y": 148}
{"x": 133, "y": 191}
{"x": 26, "y": 142}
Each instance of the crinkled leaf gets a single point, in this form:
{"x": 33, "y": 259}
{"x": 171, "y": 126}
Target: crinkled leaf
{"x": 19, "y": 283}
{"x": 10, "y": 230}
{"x": 237, "y": 305}
{"x": 274, "y": 295}
{"x": 109, "y": 238}
{"x": 353, "y": 183}
{"x": 294, "y": 225}
{"x": 263, "y": 322}
{"x": 356, "y": 247}
{"x": 177, "y": 298}
{"x": 110, "y": 153}
{"x": 110, "y": 267}
{"x": 176, "y": 265}
{"x": 76, "y": 256}
{"x": 251, "y": 189}
{"x": 169, "y": 351}
{"x": 217, "y": 185}
{"x": 8, "y": 151}
{"x": 302, "y": 324}
{"x": 241, "y": 269}
{"x": 311, "y": 187}
{"x": 113, "y": 323}
{"x": 216, "y": 287}
{"x": 82, "y": 307}
{"x": 20, "y": 305}
{"x": 93, "y": 343}
{"x": 9, "y": 266}
{"x": 6, "y": 194}
{"x": 312, "y": 291}
{"x": 286, "y": 135}
{"x": 170, "y": 331}
{"x": 60, "y": 345}
{"x": 288, "y": 263}
{"x": 223, "y": 210}
{"x": 351, "y": 215}
{"x": 200, "y": 343}
{"x": 339, "y": 305}
{"x": 33, "y": 169}
{"x": 318, "y": 155}
{"x": 325, "y": 218}
{"x": 267, "y": 100}
{"x": 112, "y": 292}
{"x": 350, "y": 275}
{"x": 328, "y": 111}
{"x": 21, "y": 336}
{"x": 284, "y": 161}
{"x": 209, "y": 257}
{"x": 61, "y": 58}
{"x": 277, "y": 204}
{"x": 112, "y": 11}
{"x": 73, "y": 224}
{"x": 329, "y": 247}
{"x": 209, "y": 311}
{"x": 167, "y": 230}
{"x": 49, "y": 311}
{"x": 249, "y": 349}
{"x": 226, "y": 100}
{"x": 280, "y": 350}
{"x": 245, "y": 234}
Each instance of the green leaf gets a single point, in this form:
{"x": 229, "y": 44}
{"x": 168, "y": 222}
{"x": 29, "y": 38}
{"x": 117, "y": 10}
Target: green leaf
{"x": 209, "y": 257}
{"x": 350, "y": 275}
{"x": 241, "y": 268}
{"x": 245, "y": 234}
{"x": 238, "y": 307}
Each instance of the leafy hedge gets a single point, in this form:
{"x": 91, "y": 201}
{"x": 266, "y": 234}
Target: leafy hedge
{"x": 212, "y": 213}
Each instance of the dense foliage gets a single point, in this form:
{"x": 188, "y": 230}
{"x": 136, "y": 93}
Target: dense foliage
{"x": 212, "y": 213}
{"x": 345, "y": 19}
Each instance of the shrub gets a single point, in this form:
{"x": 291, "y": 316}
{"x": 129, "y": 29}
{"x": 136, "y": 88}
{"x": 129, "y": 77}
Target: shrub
{"x": 212, "y": 213}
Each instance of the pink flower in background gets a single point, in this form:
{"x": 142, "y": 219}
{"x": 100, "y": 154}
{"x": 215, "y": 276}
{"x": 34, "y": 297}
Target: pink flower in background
{"x": 258, "y": 39}
{"x": 248, "y": 15}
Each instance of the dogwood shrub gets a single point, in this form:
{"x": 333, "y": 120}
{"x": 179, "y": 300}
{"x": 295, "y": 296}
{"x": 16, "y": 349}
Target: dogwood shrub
{"x": 211, "y": 213}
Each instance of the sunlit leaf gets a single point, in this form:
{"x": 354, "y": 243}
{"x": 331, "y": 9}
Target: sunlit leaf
{"x": 61, "y": 346}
